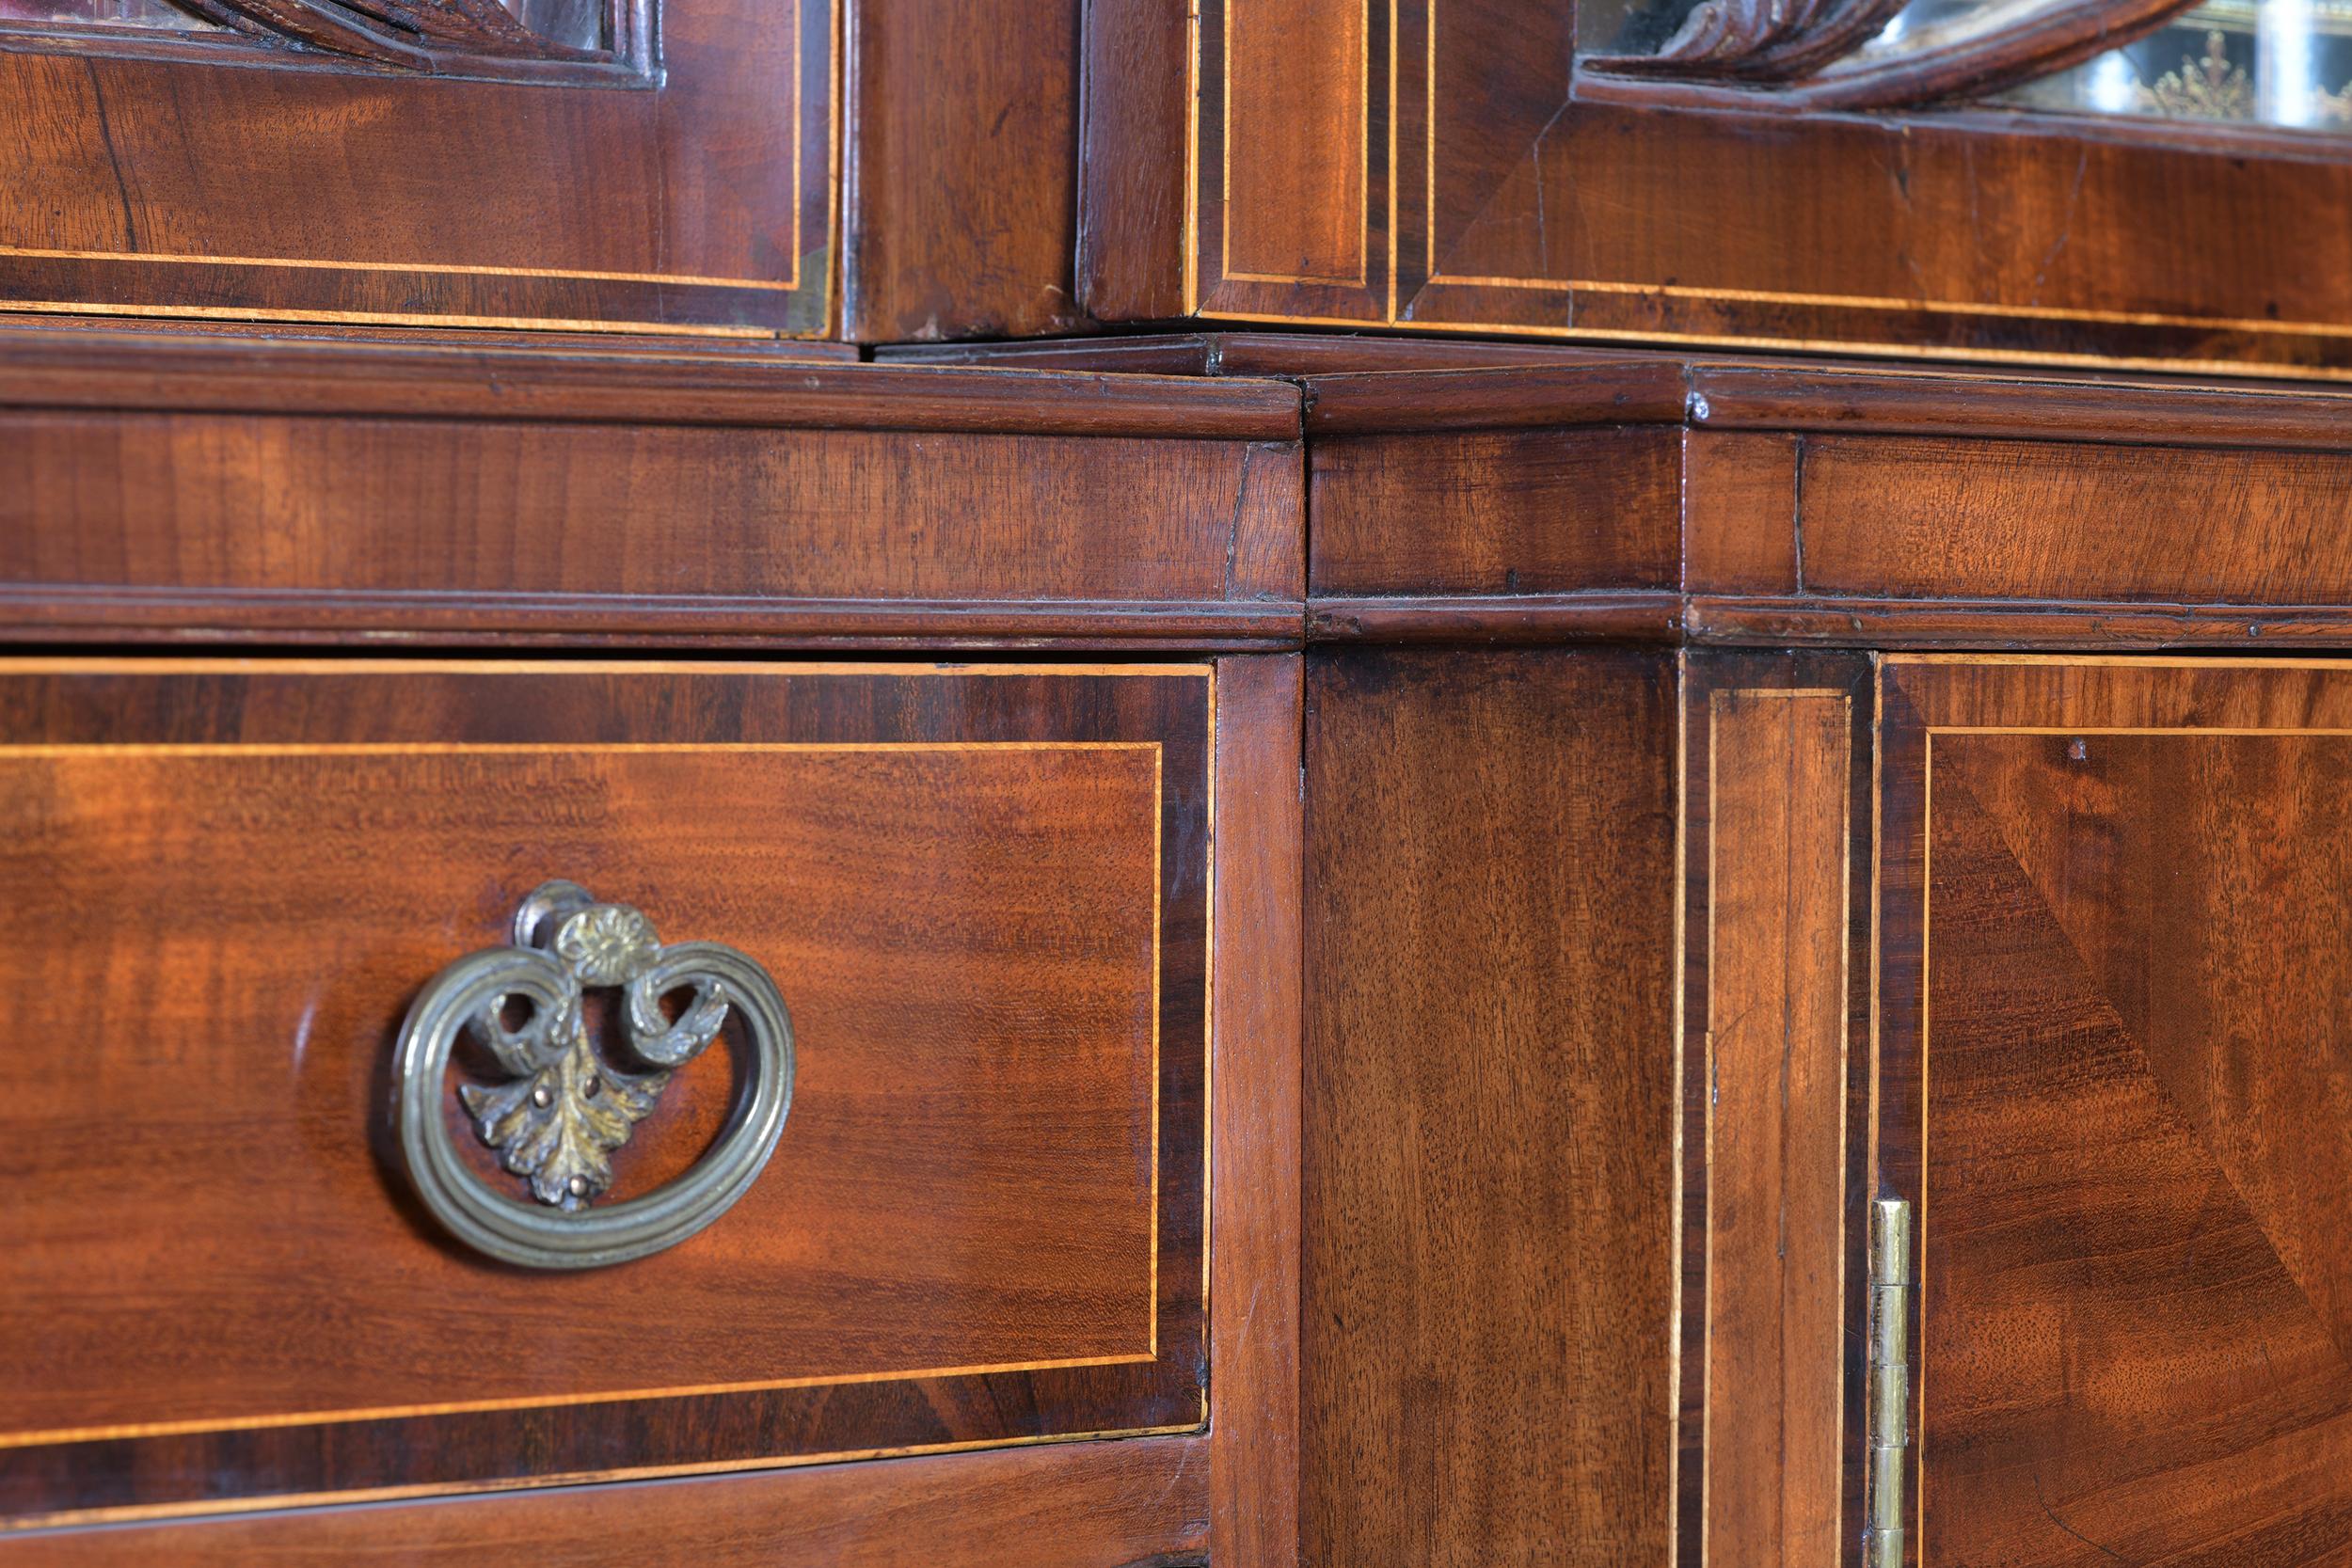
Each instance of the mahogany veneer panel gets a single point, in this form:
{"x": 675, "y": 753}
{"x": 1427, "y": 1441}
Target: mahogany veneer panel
{"x": 1777, "y": 1097}
{"x": 981, "y": 892}
{"x": 187, "y": 485}
{"x": 1494, "y": 512}
{"x": 1288, "y": 233}
{"x": 959, "y": 855}
{"x": 1131, "y": 218}
{"x": 1299, "y": 219}
{"x": 1739, "y": 517}
{"x": 1948, "y": 234}
{"x": 1257, "y": 1087}
{"x": 961, "y": 190}
{"x": 212, "y": 182}
{"x": 414, "y": 507}
{"x": 1903, "y": 518}
{"x": 2112, "y": 998}
{"x": 1489, "y": 1275}
{"x": 1777, "y": 904}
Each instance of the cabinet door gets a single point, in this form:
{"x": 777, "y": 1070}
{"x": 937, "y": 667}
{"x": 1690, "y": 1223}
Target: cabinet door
{"x": 620, "y": 165}
{"x": 2116, "y": 1084}
{"x": 1939, "y": 178}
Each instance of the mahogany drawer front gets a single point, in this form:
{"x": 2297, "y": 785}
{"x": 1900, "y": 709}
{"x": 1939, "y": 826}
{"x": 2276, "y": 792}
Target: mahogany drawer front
{"x": 982, "y": 892}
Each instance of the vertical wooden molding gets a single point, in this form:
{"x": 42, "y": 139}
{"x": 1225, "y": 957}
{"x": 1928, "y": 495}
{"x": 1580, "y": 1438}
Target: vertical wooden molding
{"x": 1134, "y": 136}
{"x": 962, "y": 206}
{"x": 1254, "y": 1100}
{"x": 1778, "y": 889}
{"x": 1296, "y": 115}
{"x": 1486, "y": 1292}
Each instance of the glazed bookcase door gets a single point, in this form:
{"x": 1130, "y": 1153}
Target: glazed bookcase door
{"x": 616, "y": 166}
{"x": 1465, "y": 165}
{"x": 2115, "y": 953}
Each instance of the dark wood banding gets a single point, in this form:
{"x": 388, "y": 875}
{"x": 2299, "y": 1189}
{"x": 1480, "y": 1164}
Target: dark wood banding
{"x": 1085, "y": 1505}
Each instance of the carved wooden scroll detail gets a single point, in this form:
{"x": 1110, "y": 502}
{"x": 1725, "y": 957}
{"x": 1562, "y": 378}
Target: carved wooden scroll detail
{"x": 427, "y": 36}
{"x": 1812, "y": 55}
{"x": 1761, "y": 41}
{"x": 403, "y": 34}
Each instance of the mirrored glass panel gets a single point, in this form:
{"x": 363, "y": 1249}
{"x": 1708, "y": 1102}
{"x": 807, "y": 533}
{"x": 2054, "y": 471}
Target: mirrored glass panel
{"x": 117, "y": 13}
{"x": 2269, "y": 62}
{"x": 2272, "y": 62}
{"x": 570, "y": 24}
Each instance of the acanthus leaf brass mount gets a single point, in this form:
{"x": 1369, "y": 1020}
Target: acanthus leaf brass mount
{"x": 565, "y": 1106}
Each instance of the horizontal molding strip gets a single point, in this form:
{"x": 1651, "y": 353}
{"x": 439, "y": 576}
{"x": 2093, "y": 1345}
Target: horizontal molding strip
{"x": 156, "y": 372}
{"x": 46, "y": 612}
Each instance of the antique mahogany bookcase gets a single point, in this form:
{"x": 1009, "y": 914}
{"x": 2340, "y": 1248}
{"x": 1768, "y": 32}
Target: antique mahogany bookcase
{"x": 1072, "y": 783}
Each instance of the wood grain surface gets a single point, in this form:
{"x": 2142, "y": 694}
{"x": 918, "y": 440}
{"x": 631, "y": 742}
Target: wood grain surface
{"x": 1494, "y": 512}
{"x": 333, "y": 506}
{"x": 699, "y": 200}
{"x": 1256, "y": 1082}
{"x": 191, "y": 487}
{"x": 1778, "y": 910}
{"x": 1492, "y": 493}
{"x": 1132, "y": 130}
{"x": 1293, "y": 228}
{"x": 981, "y": 894}
{"x": 2114, "y": 962}
{"x": 251, "y": 372}
{"x": 1746, "y": 504}
{"x": 1363, "y": 382}
{"x": 1487, "y": 1361}
{"x": 1493, "y": 190}
{"x": 1922, "y": 518}
{"x": 1741, "y": 524}
{"x": 960, "y": 187}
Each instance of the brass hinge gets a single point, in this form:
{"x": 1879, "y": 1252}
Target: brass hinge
{"x": 1890, "y": 1380}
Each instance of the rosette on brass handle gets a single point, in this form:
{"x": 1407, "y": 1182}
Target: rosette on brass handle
{"x": 565, "y": 1106}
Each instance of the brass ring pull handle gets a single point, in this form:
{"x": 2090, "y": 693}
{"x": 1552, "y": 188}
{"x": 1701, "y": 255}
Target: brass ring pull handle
{"x": 565, "y": 1107}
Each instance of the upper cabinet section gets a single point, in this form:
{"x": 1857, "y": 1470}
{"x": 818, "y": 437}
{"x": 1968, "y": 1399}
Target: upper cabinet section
{"x": 629, "y": 167}
{"x": 2152, "y": 183}
{"x": 2134, "y": 182}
